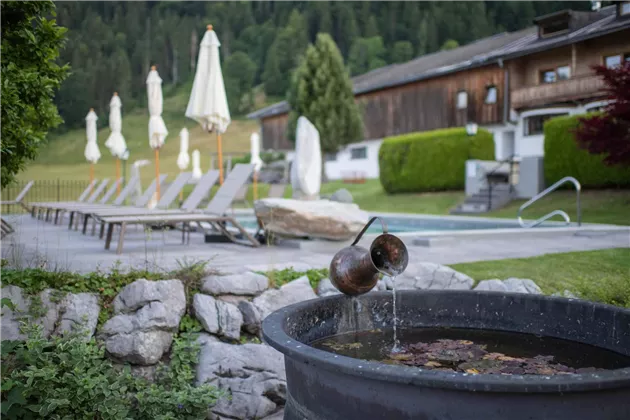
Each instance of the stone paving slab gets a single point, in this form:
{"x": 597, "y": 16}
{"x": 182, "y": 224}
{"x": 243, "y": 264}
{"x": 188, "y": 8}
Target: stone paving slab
{"x": 41, "y": 244}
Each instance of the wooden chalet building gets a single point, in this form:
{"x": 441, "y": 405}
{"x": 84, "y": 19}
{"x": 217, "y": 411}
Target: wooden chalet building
{"x": 508, "y": 83}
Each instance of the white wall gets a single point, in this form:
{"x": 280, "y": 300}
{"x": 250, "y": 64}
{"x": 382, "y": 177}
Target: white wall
{"x": 344, "y": 165}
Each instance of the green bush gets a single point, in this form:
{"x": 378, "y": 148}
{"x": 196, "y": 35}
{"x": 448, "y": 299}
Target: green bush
{"x": 70, "y": 378}
{"x": 563, "y": 157}
{"x": 432, "y": 160}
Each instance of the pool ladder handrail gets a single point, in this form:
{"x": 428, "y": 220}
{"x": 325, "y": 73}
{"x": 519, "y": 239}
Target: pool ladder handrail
{"x": 567, "y": 219}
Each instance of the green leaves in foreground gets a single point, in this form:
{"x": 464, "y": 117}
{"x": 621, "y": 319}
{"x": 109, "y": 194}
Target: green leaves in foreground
{"x": 70, "y": 378}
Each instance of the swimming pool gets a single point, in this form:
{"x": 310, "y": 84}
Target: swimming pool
{"x": 427, "y": 223}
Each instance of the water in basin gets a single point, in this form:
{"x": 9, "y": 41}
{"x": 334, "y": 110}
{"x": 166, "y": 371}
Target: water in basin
{"x": 474, "y": 351}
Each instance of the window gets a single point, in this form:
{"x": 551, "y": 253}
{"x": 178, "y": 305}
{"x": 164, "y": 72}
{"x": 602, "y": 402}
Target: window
{"x": 555, "y": 27}
{"x": 624, "y": 8}
{"x": 553, "y": 75}
{"x": 612, "y": 61}
{"x": 534, "y": 125}
{"x": 462, "y": 100}
{"x": 491, "y": 95}
{"x": 358, "y": 153}
{"x": 548, "y": 76}
{"x": 330, "y": 157}
{"x": 564, "y": 72}
{"x": 615, "y": 60}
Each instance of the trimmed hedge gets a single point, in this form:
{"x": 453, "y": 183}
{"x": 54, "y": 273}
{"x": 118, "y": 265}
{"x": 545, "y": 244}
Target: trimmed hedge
{"x": 431, "y": 160}
{"x": 564, "y": 157}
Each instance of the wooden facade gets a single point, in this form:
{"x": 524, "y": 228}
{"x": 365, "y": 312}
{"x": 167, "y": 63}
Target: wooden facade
{"x": 424, "y": 105}
{"x": 432, "y": 103}
{"x": 274, "y": 132}
{"x": 527, "y": 89}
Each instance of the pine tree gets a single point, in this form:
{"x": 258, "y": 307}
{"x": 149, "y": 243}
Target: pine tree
{"x": 239, "y": 71}
{"x": 402, "y": 52}
{"x": 366, "y": 54}
{"x": 322, "y": 92}
{"x": 285, "y": 54}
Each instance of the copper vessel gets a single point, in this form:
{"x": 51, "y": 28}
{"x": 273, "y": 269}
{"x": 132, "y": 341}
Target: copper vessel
{"x": 355, "y": 270}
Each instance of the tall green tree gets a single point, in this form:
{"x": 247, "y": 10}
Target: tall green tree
{"x": 366, "y": 54}
{"x": 30, "y": 78}
{"x": 285, "y": 54}
{"x": 322, "y": 92}
{"x": 402, "y": 52}
{"x": 239, "y": 71}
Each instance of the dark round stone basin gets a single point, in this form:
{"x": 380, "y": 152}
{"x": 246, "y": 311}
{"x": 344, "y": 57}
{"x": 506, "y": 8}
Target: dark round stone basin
{"x": 327, "y": 386}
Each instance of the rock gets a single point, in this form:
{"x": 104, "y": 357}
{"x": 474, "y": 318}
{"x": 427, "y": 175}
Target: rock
{"x": 218, "y": 317}
{"x": 493, "y": 285}
{"x": 522, "y": 286}
{"x": 139, "y": 347}
{"x": 55, "y": 312}
{"x": 290, "y": 293}
{"x": 142, "y": 292}
{"x": 148, "y": 313}
{"x": 316, "y": 219}
{"x": 253, "y": 373}
{"x": 276, "y": 416}
{"x": 10, "y": 325}
{"x": 342, "y": 196}
{"x": 389, "y": 282}
{"x": 306, "y": 168}
{"x": 251, "y": 317}
{"x": 49, "y": 300}
{"x": 247, "y": 284}
{"x": 203, "y": 339}
{"x": 326, "y": 288}
{"x": 433, "y": 277}
{"x": 380, "y": 286}
{"x": 79, "y": 314}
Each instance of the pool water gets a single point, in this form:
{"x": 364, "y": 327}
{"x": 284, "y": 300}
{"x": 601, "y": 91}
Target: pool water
{"x": 420, "y": 223}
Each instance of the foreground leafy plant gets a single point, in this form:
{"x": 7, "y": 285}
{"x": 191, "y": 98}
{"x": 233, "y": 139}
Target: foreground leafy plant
{"x": 69, "y": 378}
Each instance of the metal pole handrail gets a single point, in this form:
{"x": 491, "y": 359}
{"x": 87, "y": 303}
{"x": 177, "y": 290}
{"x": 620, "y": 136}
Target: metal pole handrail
{"x": 540, "y": 195}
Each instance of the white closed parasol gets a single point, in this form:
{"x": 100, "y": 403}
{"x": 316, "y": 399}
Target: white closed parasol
{"x": 255, "y": 160}
{"x": 208, "y": 102}
{"x": 196, "y": 163}
{"x": 157, "y": 128}
{"x": 116, "y": 142}
{"x": 92, "y": 154}
{"x": 306, "y": 171}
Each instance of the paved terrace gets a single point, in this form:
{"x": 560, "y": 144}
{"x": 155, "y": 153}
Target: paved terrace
{"x": 37, "y": 243}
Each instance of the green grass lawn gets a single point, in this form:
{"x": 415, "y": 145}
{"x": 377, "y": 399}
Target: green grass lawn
{"x": 602, "y": 276}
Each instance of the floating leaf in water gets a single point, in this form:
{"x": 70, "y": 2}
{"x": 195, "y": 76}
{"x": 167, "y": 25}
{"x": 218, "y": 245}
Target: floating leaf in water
{"x": 466, "y": 356}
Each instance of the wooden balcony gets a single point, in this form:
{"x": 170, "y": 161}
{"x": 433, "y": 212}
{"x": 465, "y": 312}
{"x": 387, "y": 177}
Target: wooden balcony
{"x": 576, "y": 88}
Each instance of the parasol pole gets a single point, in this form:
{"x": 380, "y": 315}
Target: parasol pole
{"x": 157, "y": 172}
{"x": 220, "y": 153}
{"x": 91, "y": 177}
{"x": 181, "y": 192}
{"x": 118, "y": 175}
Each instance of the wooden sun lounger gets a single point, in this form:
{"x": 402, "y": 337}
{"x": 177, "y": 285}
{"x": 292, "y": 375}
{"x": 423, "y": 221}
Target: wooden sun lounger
{"x": 61, "y": 208}
{"x": 18, "y": 200}
{"x": 213, "y": 214}
{"x": 201, "y": 190}
{"x": 6, "y": 228}
{"x": 37, "y": 207}
{"x": 85, "y": 212}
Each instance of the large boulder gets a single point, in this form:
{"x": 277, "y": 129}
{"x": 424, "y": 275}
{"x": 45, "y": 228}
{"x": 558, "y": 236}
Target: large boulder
{"x": 431, "y": 276}
{"x": 218, "y": 317}
{"x": 290, "y": 293}
{"x": 54, "y": 311}
{"x": 326, "y": 288}
{"x": 322, "y": 219}
{"x": 253, "y": 374}
{"x": 244, "y": 284}
{"x": 511, "y": 285}
{"x": 147, "y": 315}
{"x": 493, "y": 285}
